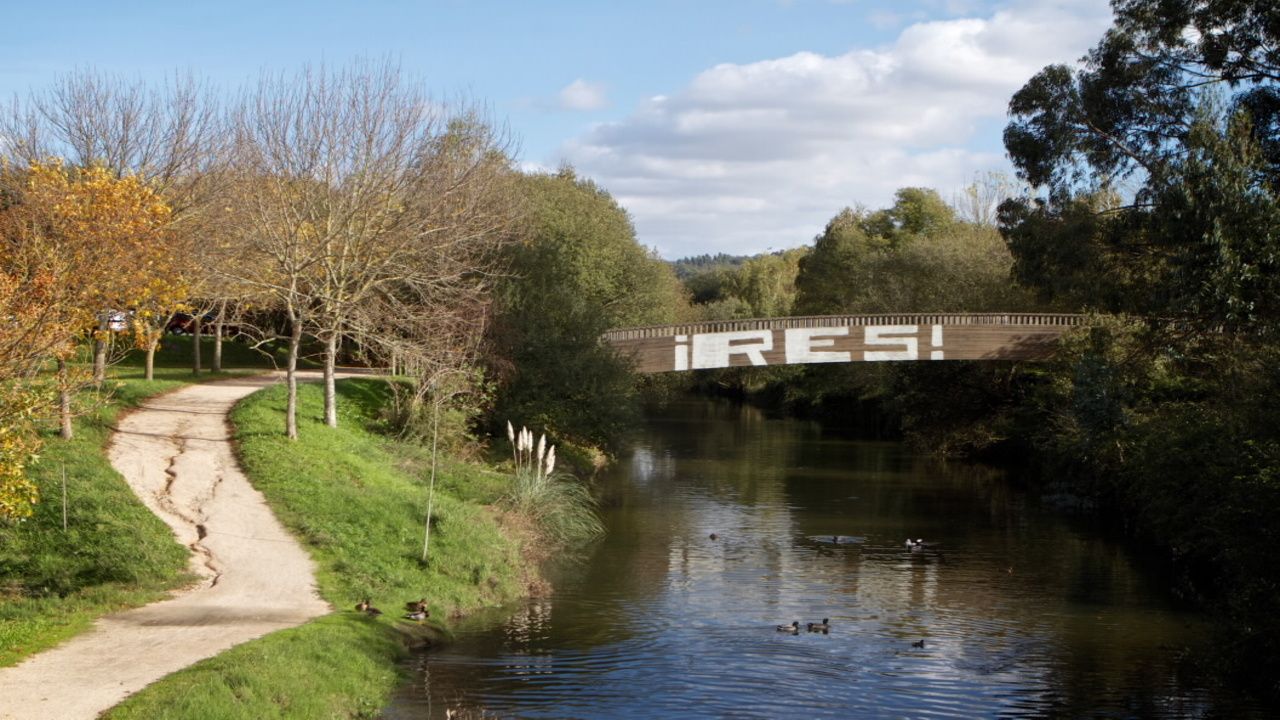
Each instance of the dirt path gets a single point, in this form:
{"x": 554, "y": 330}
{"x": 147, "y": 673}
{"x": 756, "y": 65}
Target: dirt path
{"x": 175, "y": 453}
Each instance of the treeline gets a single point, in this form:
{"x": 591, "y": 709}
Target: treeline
{"x": 922, "y": 254}
{"x": 339, "y": 213}
{"x": 699, "y": 264}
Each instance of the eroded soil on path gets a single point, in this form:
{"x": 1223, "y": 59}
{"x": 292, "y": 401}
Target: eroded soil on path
{"x": 176, "y": 454}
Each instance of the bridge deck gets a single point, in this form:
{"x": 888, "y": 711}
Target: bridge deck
{"x": 843, "y": 338}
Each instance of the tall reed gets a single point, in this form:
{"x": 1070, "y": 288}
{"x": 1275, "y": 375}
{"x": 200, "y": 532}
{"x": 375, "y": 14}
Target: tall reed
{"x": 562, "y": 507}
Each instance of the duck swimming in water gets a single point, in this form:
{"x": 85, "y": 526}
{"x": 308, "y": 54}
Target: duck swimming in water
{"x": 793, "y": 628}
{"x": 915, "y": 545}
{"x": 822, "y": 627}
{"x": 918, "y": 644}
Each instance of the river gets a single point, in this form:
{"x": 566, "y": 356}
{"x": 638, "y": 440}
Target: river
{"x": 1008, "y": 611}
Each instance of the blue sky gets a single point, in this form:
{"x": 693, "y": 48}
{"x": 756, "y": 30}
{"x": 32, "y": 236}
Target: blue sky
{"x": 721, "y": 125}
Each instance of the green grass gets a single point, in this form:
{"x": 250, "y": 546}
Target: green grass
{"x": 357, "y": 501}
{"x": 114, "y": 553}
{"x": 175, "y": 352}
{"x": 334, "y": 667}
{"x": 558, "y": 503}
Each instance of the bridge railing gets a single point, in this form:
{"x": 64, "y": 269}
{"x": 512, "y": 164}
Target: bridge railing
{"x": 783, "y": 323}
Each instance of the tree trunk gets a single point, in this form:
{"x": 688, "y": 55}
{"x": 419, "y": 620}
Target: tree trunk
{"x": 431, "y": 490}
{"x": 330, "y": 390}
{"x": 151, "y": 358}
{"x": 196, "y": 328}
{"x": 99, "y": 361}
{"x": 64, "y": 400}
{"x": 291, "y": 407}
{"x": 217, "y": 337}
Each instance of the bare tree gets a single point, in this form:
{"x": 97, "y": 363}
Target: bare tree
{"x": 363, "y": 188}
{"x": 164, "y": 133}
{"x": 977, "y": 202}
{"x": 169, "y": 134}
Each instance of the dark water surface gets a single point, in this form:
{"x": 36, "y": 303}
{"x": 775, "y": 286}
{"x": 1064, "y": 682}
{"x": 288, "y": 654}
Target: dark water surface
{"x": 1022, "y": 614}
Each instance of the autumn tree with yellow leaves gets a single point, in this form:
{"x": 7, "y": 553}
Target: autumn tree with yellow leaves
{"x": 76, "y": 242}
{"x": 168, "y": 135}
{"x": 24, "y": 393}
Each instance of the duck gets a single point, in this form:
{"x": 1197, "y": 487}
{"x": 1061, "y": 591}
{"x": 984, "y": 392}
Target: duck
{"x": 714, "y": 536}
{"x": 915, "y": 545}
{"x": 364, "y": 607}
{"x": 419, "y": 616}
{"x": 793, "y": 628}
{"x": 822, "y": 627}
{"x": 415, "y": 606}
{"x": 918, "y": 644}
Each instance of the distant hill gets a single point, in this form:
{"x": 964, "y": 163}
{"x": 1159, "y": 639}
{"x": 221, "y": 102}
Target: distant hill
{"x": 698, "y": 264}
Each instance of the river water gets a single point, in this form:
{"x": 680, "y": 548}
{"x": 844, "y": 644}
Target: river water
{"x": 1021, "y": 612}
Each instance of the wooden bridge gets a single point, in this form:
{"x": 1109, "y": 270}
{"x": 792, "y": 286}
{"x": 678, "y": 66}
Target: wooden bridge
{"x": 842, "y": 338}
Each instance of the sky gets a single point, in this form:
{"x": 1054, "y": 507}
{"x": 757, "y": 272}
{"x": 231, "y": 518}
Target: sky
{"x": 735, "y": 126}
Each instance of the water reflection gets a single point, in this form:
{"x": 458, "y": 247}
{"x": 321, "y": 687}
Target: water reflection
{"x": 1018, "y": 613}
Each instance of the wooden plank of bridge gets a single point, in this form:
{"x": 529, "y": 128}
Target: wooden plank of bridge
{"x": 861, "y": 338}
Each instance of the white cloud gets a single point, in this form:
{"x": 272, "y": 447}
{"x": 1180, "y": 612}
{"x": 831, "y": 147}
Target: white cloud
{"x": 583, "y": 95}
{"x": 534, "y": 168}
{"x": 751, "y": 156}
{"x": 885, "y": 19}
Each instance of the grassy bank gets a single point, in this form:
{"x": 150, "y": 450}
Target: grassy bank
{"x": 357, "y": 501}
{"x": 113, "y": 554}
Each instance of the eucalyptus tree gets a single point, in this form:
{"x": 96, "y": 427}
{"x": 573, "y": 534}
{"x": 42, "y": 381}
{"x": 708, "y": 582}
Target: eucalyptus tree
{"x": 1156, "y": 170}
{"x": 1175, "y": 90}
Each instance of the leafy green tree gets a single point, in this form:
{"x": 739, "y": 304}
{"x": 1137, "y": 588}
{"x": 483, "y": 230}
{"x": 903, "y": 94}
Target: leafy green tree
{"x": 916, "y": 256}
{"x": 1181, "y": 98}
{"x": 767, "y": 283}
{"x": 759, "y": 286}
{"x": 915, "y": 212}
{"x": 835, "y": 275}
{"x": 1169, "y": 420}
{"x": 578, "y": 272}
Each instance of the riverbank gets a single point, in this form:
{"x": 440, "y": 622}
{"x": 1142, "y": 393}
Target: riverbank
{"x": 356, "y": 499}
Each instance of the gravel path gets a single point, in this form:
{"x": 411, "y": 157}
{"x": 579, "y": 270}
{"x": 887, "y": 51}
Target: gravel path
{"x": 255, "y": 578}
